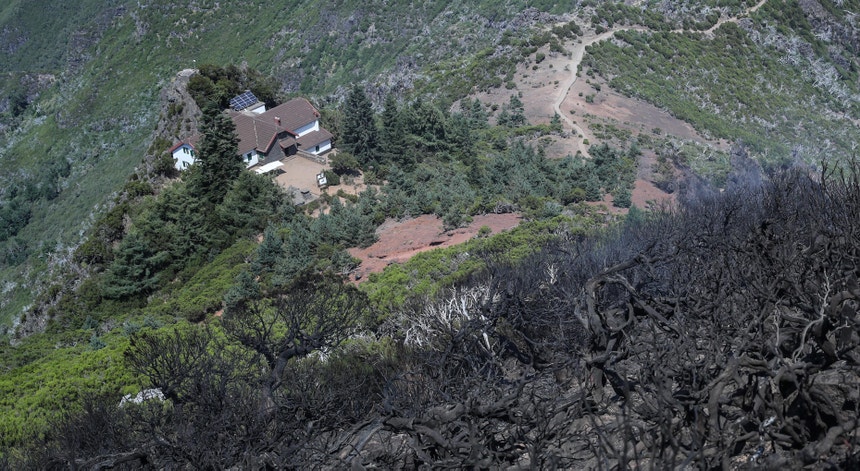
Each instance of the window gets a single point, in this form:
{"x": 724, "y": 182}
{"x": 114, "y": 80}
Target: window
{"x": 318, "y": 148}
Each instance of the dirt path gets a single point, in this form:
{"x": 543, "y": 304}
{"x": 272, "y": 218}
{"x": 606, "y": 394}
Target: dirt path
{"x": 576, "y": 57}
{"x": 578, "y": 52}
{"x": 732, "y": 19}
{"x": 545, "y": 89}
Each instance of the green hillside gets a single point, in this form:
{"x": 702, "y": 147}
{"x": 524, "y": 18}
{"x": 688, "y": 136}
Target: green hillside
{"x": 783, "y": 81}
{"x": 81, "y": 81}
{"x": 105, "y": 63}
{"x": 718, "y": 330}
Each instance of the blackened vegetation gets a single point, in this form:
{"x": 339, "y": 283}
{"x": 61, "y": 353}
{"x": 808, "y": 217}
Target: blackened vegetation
{"x": 719, "y": 334}
{"x": 727, "y": 333}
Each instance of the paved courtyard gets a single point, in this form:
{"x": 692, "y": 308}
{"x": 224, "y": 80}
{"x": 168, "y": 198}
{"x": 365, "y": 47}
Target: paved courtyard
{"x": 301, "y": 173}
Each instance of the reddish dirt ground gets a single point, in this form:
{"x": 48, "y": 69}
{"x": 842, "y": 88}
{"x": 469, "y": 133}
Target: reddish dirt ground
{"x": 399, "y": 241}
{"x": 545, "y": 88}
{"x": 644, "y": 192}
{"x": 552, "y": 86}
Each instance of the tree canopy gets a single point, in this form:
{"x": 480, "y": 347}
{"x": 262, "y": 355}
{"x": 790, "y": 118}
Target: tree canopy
{"x": 359, "y": 135}
{"x": 218, "y": 162}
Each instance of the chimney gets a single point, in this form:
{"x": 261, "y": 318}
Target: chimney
{"x": 277, "y": 120}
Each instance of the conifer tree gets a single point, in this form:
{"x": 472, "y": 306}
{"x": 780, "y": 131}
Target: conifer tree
{"x": 219, "y": 162}
{"x": 245, "y": 290}
{"x": 518, "y": 114}
{"x": 592, "y": 188}
{"x": 269, "y": 252}
{"x": 359, "y": 134}
{"x": 134, "y": 270}
{"x": 477, "y": 115}
{"x": 426, "y": 125}
{"x": 622, "y": 197}
{"x": 392, "y": 138}
{"x": 504, "y": 118}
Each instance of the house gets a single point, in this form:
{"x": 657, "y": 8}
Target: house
{"x": 280, "y": 132}
{"x": 300, "y": 117}
{"x": 266, "y": 136}
{"x": 261, "y": 140}
{"x": 184, "y": 152}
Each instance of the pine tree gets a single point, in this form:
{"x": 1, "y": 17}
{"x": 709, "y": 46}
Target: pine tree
{"x": 251, "y": 202}
{"x": 478, "y": 117}
{"x": 246, "y": 289}
{"x": 392, "y": 138}
{"x": 134, "y": 270}
{"x": 359, "y": 134}
{"x": 622, "y": 197}
{"x": 504, "y": 118}
{"x": 592, "y": 188}
{"x": 426, "y": 125}
{"x": 269, "y": 252}
{"x": 219, "y": 162}
{"x": 518, "y": 114}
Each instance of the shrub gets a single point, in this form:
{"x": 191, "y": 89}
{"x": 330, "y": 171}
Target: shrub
{"x": 343, "y": 162}
{"x": 622, "y": 197}
{"x": 332, "y": 178}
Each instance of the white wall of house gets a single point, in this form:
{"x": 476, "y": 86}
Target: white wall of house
{"x": 259, "y": 109}
{"x": 324, "y": 146}
{"x": 314, "y": 126}
{"x": 183, "y": 156}
{"x": 251, "y": 158}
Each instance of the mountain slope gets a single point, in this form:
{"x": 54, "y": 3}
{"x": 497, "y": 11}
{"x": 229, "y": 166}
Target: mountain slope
{"x": 77, "y": 118}
{"x": 103, "y": 64}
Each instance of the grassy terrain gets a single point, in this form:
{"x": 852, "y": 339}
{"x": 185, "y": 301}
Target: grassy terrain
{"x": 49, "y": 372}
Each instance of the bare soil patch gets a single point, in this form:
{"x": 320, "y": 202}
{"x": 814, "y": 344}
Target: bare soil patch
{"x": 627, "y": 113}
{"x": 351, "y": 185}
{"x": 300, "y": 173}
{"x": 645, "y": 194}
{"x": 553, "y": 82}
{"x": 400, "y": 240}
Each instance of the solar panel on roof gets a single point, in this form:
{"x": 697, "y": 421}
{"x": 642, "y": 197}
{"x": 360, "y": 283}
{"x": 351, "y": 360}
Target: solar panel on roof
{"x": 243, "y": 101}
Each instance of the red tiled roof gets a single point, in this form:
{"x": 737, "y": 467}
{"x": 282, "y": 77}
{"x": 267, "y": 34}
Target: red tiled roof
{"x": 260, "y": 131}
{"x": 256, "y": 133}
{"x": 313, "y": 138}
{"x": 191, "y": 141}
{"x": 287, "y": 142}
{"x": 293, "y": 114}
